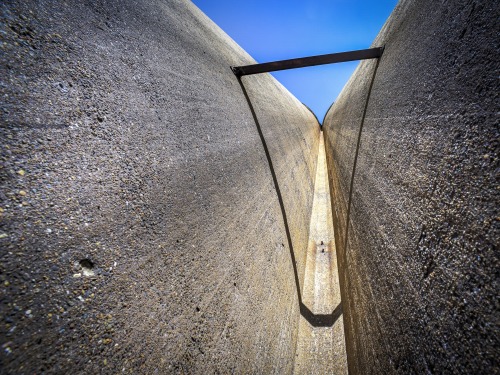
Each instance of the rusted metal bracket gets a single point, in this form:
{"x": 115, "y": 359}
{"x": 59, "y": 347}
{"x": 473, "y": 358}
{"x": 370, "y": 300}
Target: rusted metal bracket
{"x": 301, "y": 62}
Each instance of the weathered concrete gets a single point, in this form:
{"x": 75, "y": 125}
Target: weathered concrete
{"x": 127, "y": 141}
{"x": 419, "y": 275}
{"x": 321, "y": 350}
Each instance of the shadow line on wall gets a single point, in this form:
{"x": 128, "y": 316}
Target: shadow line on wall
{"x": 316, "y": 320}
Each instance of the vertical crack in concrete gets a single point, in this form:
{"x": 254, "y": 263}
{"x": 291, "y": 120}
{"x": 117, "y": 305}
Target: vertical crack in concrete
{"x": 321, "y": 349}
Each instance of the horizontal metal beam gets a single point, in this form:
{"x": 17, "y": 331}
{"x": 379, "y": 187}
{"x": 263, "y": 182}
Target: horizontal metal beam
{"x": 301, "y": 62}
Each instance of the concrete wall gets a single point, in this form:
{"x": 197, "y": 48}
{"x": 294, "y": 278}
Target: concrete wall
{"x": 127, "y": 141}
{"x": 419, "y": 274}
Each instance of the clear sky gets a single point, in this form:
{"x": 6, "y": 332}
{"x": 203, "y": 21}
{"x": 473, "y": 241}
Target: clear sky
{"x": 275, "y": 30}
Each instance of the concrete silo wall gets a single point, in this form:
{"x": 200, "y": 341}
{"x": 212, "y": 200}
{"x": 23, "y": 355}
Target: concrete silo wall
{"x": 419, "y": 273}
{"x": 130, "y": 151}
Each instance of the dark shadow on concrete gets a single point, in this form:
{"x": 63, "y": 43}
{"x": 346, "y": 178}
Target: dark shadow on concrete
{"x": 320, "y": 320}
{"x": 356, "y": 157}
{"x": 314, "y": 114}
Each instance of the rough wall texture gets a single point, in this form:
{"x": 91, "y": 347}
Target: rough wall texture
{"x": 420, "y": 271}
{"x": 129, "y": 151}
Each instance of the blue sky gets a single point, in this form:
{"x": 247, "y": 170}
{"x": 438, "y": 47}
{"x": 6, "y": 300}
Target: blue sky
{"x": 276, "y": 30}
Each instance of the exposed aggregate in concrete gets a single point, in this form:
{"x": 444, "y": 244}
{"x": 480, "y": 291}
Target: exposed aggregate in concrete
{"x": 420, "y": 273}
{"x": 140, "y": 228}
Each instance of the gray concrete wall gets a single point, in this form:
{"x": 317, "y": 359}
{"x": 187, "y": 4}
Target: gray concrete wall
{"x": 419, "y": 274}
{"x": 127, "y": 141}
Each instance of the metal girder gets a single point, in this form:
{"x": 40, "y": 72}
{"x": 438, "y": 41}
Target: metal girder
{"x": 301, "y": 62}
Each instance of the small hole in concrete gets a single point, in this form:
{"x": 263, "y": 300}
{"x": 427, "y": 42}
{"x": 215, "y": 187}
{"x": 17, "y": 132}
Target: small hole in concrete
{"x": 87, "y": 266}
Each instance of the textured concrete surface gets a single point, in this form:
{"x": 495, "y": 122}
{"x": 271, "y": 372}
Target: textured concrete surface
{"x": 140, "y": 227}
{"x": 321, "y": 350}
{"x": 419, "y": 275}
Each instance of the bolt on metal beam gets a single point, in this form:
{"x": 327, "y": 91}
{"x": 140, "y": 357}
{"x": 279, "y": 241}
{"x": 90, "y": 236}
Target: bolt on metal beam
{"x": 301, "y": 62}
